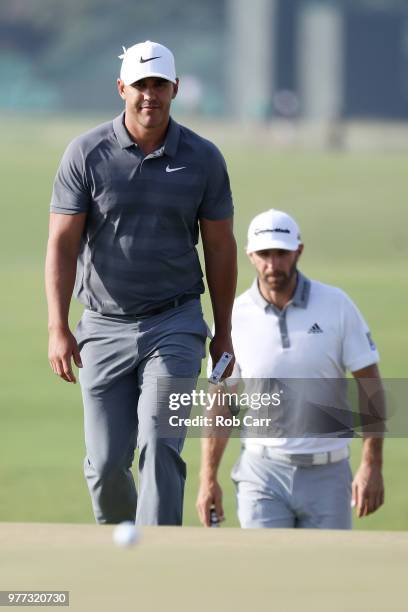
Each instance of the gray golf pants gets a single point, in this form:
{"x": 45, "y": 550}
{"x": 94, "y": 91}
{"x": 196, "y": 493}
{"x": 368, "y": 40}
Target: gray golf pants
{"x": 123, "y": 358}
{"x": 273, "y": 493}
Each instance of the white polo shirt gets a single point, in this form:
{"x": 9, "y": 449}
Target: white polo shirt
{"x": 319, "y": 334}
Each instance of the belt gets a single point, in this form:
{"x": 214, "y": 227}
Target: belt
{"x": 168, "y": 306}
{"x": 299, "y": 459}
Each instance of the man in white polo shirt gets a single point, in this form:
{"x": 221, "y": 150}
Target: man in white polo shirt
{"x": 288, "y": 327}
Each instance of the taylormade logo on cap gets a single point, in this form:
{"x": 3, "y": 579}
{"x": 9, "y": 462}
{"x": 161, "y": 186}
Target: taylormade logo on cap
{"x": 147, "y": 59}
{"x": 273, "y": 229}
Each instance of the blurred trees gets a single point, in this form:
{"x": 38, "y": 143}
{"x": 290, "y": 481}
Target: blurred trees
{"x": 63, "y": 54}
{"x": 68, "y": 51}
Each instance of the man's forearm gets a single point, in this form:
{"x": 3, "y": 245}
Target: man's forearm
{"x": 372, "y": 452}
{"x": 60, "y": 270}
{"x": 368, "y": 482}
{"x": 221, "y": 273}
{"x": 65, "y": 234}
{"x": 214, "y": 441}
{"x": 373, "y": 414}
{"x": 212, "y": 450}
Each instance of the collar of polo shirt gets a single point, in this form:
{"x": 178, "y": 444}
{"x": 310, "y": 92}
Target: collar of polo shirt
{"x": 300, "y": 297}
{"x": 125, "y": 141}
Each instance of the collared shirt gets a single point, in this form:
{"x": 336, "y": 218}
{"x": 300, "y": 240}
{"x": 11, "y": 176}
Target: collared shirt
{"x": 138, "y": 249}
{"x": 320, "y": 334}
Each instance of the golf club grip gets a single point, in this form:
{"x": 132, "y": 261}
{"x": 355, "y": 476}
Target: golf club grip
{"x": 214, "y": 520}
{"x": 220, "y": 368}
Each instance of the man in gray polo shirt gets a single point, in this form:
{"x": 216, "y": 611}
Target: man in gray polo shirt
{"x": 299, "y": 338}
{"x": 129, "y": 200}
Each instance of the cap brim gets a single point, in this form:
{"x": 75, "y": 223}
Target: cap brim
{"x": 150, "y": 74}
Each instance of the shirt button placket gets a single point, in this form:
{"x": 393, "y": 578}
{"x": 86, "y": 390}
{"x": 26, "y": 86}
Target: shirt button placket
{"x": 284, "y": 330}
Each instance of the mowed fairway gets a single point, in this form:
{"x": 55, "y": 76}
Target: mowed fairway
{"x": 196, "y": 569}
{"x": 354, "y": 218}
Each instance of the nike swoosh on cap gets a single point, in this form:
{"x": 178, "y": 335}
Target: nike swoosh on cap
{"x": 149, "y": 59}
{"x": 168, "y": 169}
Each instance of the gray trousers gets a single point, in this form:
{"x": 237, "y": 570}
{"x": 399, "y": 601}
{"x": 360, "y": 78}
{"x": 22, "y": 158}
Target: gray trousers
{"x": 272, "y": 493}
{"x": 123, "y": 358}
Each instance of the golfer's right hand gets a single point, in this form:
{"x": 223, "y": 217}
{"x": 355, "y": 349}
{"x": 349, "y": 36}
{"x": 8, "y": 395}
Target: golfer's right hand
{"x": 209, "y": 494}
{"x": 62, "y": 347}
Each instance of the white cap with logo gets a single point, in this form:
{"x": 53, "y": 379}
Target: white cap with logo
{"x": 273, "y": 229}
{"x": 147, "y": 59}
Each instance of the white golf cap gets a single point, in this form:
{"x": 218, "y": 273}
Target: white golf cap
{"x": 273, "y": 229}
{"x": 147, "y": 59}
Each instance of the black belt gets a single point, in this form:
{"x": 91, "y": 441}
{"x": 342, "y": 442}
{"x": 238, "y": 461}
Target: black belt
{"x": 168, "y": 306}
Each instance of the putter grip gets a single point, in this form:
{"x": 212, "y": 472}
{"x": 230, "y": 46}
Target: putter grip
{"x": 220, "y": 368}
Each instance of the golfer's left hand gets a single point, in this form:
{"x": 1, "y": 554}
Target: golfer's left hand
{"x": 368, "y": 489}
{"x": 209, "y": 494}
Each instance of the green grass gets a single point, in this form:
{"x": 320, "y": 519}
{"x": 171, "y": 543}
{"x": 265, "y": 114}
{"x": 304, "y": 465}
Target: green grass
{"x": 354, "y": 219}
{"x": 238, "y": 570}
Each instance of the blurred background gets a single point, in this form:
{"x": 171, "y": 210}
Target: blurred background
{"x": 265, "y": 59}
{"x": 308, "y": 101}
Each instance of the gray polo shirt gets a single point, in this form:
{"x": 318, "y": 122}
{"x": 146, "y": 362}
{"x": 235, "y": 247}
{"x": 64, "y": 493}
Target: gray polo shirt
{"x": 138, "y": 249}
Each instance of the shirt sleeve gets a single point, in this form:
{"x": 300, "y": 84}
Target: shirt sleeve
{"x": 71, "y": 194}
{"x": 217, "y": 201}
{"x": 358, "y": 347}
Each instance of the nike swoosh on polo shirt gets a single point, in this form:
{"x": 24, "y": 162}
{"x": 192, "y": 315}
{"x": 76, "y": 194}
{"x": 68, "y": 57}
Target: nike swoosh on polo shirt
{"x": 168, "y": 169}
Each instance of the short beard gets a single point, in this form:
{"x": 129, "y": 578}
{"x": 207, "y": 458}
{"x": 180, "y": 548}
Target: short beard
{"x": 281, "y": 281}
